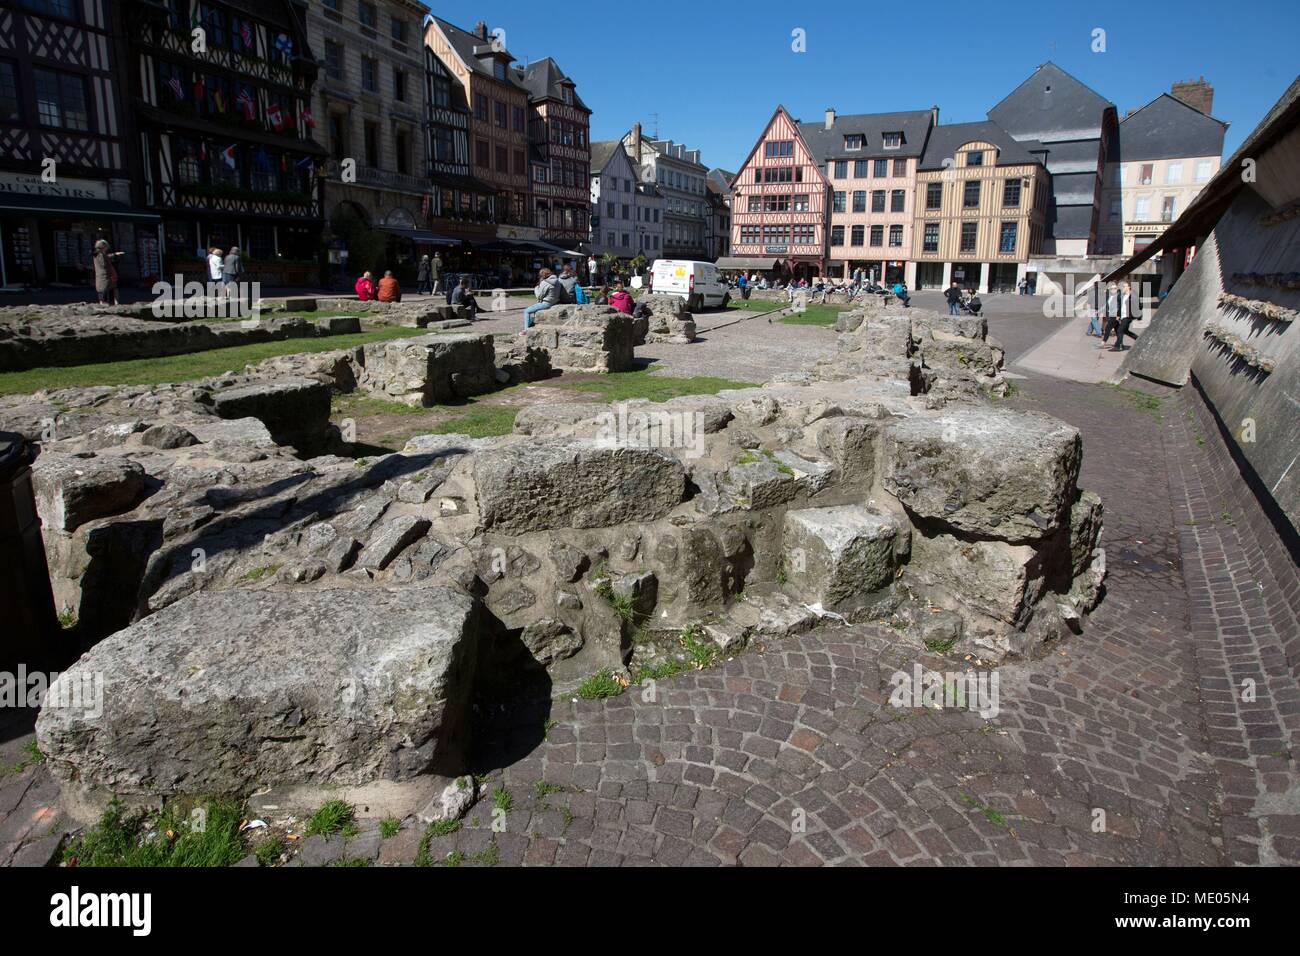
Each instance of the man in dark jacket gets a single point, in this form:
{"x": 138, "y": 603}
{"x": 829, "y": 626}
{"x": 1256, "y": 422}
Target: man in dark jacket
{"x": 1124, "y": 318}
{"x": 953, "y": 295}
{"x": 461, "y": 295}
{"x": 423, "y": 282}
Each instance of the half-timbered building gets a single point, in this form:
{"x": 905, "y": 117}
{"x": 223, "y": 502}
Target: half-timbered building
{"x": 459, "y": 203}
{"x": 221, "y": 92}
{"x": 778, "y": 206}
{"x": 559, "y": 133}
{"x": 65, "y": 163}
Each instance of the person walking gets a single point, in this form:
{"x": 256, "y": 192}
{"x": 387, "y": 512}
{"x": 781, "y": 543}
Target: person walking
{"x": 105, "y": 273}
{"x": 435, "y": 272}
{"x": 216, "y": 267}
{"x": 1127, "y": 313}
{"x": 232, "y": 267}
{"x": 549, "y": 292}
{"x": 953, "y": 295}
{"x": 423, "y": 283}
{"x": 1110, "y": 314}
{"x": 389, "y": 288}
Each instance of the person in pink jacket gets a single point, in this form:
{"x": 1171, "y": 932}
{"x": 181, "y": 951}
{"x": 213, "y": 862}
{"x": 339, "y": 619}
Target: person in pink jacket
{"x": 365, "y": 288}
{"x": 620, "y": 300}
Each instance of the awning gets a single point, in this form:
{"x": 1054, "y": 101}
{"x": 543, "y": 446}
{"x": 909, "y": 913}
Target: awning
{"x": 465, "y": 183}
{"x": 744, "y": 262}
{"x": 65, "y": 207}
{"x": 421, "y": 236}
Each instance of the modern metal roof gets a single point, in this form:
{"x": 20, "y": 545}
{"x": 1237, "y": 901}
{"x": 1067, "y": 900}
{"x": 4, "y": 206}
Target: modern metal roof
{"x": 1051, "y": 105}
{"x": 1167, "y": 128}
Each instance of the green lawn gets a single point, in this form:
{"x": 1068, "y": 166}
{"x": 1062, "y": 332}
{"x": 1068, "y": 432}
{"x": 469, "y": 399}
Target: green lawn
{"x": 824, "y": 315}
{"x": 622, "y": 386}
{"x": 182, "y": 368}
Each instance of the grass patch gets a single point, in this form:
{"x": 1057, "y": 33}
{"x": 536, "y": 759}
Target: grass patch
{"x": 940, "y": 647}
{"x": 268, "y": 852}
{"x": 823, "y": 315}
{"x": 164, "y": 839}
{"x": 640, "y": 383}
{"x": 501, "y": 799}
{"x": 479, "y": 420}
{"x": 702, "y": 652}
{"x": 388, "y": 827}
{"x": 599, "y": 685}
{"x": 998, "y": 817}
{"x": 31, "y": 756}
{"x": 182, "y": 368}
{"x": 334, "y": 816}
{"x": 489, "y": 857}
{"x": 258, "y": 573}
{"x": 542, "y": 789}
{"x": 358, "y": 404}
{"x": 352, "y": 861}
{"x": 454, "y": 858}
{"x": 435, "y": 829}
{"x": 1141, "y": 400}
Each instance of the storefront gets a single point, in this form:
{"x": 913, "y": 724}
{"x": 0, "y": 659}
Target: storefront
{"x": 48, "y": 232}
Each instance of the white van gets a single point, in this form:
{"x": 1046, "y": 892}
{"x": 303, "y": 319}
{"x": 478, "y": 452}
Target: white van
{"x": 696, "y": 282}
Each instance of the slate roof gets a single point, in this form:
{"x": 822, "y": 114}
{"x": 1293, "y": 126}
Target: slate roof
{"x": 544, "y": 80}
{"x": 945, "y": 140}
{"x": 470, "y": 47}
{"x": 1167, "y": 128}
{"x": 828, "y": 144}
{"x": 1051, "y": 105}
{"x": 602, "y": 150}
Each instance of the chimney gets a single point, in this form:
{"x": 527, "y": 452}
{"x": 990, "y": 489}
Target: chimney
{"x": 636, "y": 143}
{"x": 934, "y": 115}
{"x": 480, "y": 30}
{"x": 1197, "y": 94}
{"x": 830, "y": 116}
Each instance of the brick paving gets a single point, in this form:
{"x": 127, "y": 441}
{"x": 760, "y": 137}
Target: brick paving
{"x": 1130, "y": 744}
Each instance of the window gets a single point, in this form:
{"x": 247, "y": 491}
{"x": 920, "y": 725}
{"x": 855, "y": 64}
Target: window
{"x": 188, "y": 170}
{"x": 566, "y": 95}
{"x": 333, "y": 60}
{"x": 444, "y": 145}
{"x": 933, "y": 195}
{"x": 1114, "y": 210}
{"x": 898, "y": 200}
{"x": 896, "y": 235}
{"x": 776, "y": 148}
{"x": 837, "y": 235}
{"x": 1202, "y": 170}
{"x": 480, "y": 107}
{"x": 372, "y": 144}
{"x": 503, "y": 159}
{"x": 399, "y": 85}
{"x": 837, "y": 202}
{"x": 1140, "y": 213}
{"x": 10, "y": 108}
{"x": 877, "y": 236}
{"x": 1007, "y": 238}
{"x": 441, "y": 91}
{"x": 520, "y": 120}
{"x": 892, "y": 140}
{"x": 1144, "y": 177}
{"x": 860, "y": 169}
{"x": 338, "y": 127}
{"x": 369, "y": 74}
{"x": 751, "y": 235}
{"x": 776, "y": 203}
{"x": 1173, "y": 174}
{"x": 859, "y": 200}
{"x": 805, "y": 235}
{"x": 877, "y": 200}
{"x": 755, "y": 204}
{"x": 900, "y": 167}
{"x": 970, "y": 197}
{"x": 930, "y": 239}
{"x": 968, "y": 233}
{"x": 243, "y": 38}
{"x": 214, "y": 21}
{"x": 858, "y": 234}
{"x": 853, "y": 142}
{"x": 521, "y": 163}
{"x": 61, "y": 100}
{"x": 402, "y": 147}
{"x": 1011, "y": 194}
{"x": 366, "y": 14}
{"x": 800, "y": 203}
{"x": 482, "y": 153}
{"x": 776, "y": 235}
{"x": 399, "y": 30}
{"x": 841, "y": 168}
{"x": 881, "y": 169}
{"x": 1167, "y": 209}
{"x": 499, "y": 114}
{"x": 975, "y": 157}
{"x": 54, "y": 8}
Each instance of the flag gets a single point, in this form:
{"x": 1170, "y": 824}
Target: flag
{"x": 274, "y": 116}
{"x": 284, "y": 45}
{"x": 262, "y": 160}
{"x": 284, "y": 163}
{"x": 203, "y": 150}
{"x": 304, "y": 163}
{"x": 176, "y": 88}
{"x": 246, "y": 32}
{"x": 246, "y": 105}
{"x": 220, "y": 100}
{"x": 199, "y": 91}
{"x": 195, "y": 22}
{"x": 228, "y": 156}
{"x": 307, "y": 118}
{"x": 424, "y": 208}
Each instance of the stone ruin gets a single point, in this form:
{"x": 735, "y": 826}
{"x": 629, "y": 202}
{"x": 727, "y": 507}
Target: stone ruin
{"x": 281, "y": 618}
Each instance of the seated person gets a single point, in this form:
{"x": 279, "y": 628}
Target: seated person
{"x": 365, "y": 287}
{"x": 974, "y": 304}
{"x": 620, "y": 299}
{"x": 389, "y": 289}
{"x": 461, "y": 295}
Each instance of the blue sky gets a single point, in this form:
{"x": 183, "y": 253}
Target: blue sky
{"x": 715, "y": 71}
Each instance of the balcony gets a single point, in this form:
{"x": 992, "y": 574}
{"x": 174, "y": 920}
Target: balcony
{"x": 379, "y": 178}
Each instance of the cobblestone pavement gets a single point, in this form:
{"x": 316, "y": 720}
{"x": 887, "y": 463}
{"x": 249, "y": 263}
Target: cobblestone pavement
{"x": 1129, "y": 744}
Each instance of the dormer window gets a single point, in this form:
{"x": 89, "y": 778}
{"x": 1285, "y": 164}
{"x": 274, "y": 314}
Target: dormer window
{"x": 499, "y": 69}
{"x": 566, "y": 93}
{"x": 853, "y": 142}
{"x": 975, "y": 157}
{"x": 892, "y": 140}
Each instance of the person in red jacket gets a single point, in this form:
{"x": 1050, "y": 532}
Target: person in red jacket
{"x": 620, "y": 300}
{"x": 365, "y": 287}
{"x": 389, "y": 289}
